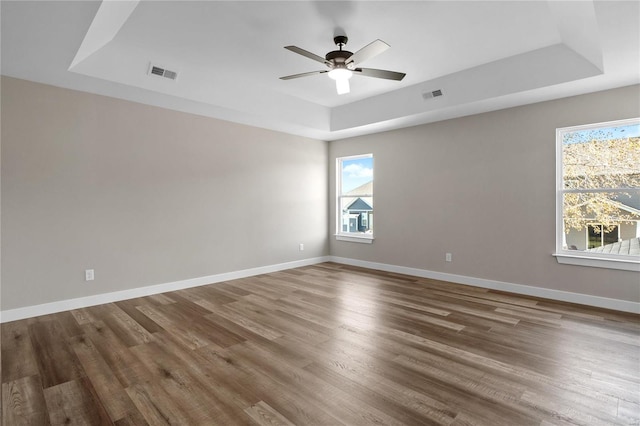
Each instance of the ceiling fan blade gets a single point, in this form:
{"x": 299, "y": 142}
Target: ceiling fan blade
{"x": 369, "y": 51}
{"x": 304, "y": 74}
{"x": 308, "y": 54}
{"x": 389, "y": 75}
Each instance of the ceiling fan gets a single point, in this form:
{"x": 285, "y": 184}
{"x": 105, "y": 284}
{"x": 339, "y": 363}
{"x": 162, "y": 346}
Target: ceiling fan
{"x": 342, "y": 64}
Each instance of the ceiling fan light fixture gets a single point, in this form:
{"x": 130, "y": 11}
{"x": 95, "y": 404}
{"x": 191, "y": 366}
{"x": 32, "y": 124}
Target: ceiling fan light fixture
{"x": 342, "y": 86}
{"x": 341, "y": 76}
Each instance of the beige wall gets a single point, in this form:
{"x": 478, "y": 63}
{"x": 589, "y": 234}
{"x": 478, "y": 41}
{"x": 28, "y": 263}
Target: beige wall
{"x": 145, "y": 195}
{"x": 482, "y": 188}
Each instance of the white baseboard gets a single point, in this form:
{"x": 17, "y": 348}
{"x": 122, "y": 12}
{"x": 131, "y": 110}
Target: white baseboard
{"x": 545, "y": 293}
{"x": 99, "y": 299}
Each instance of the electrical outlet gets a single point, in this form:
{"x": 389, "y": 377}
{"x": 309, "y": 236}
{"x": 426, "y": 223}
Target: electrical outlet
{"x": 448, "y": 257}
{"x": 89, "y": 275}
{"x": 301, "y": 247}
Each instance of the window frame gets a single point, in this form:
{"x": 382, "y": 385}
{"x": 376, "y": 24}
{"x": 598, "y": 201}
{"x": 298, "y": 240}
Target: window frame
{"x": 341, "y": 235}
{"x": 582, "y": 258}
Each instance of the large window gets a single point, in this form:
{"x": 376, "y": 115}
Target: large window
{"x": 354, "y": 178}
{"x": 598, "y": 187}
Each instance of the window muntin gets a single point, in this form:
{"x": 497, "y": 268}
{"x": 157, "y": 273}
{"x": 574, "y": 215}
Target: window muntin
{"x": 354, "y": 178}
{"x": 599, "y": 190}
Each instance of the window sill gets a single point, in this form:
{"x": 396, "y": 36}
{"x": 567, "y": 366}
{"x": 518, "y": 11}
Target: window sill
{"x": 355, "y": 238}
{"x": 598, "y": 262}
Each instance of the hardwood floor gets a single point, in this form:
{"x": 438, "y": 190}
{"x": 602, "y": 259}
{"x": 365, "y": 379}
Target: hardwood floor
{"x": 324, "y": 345}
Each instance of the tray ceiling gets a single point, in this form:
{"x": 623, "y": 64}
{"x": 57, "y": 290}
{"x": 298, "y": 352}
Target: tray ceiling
{"x": 229, "y": 56}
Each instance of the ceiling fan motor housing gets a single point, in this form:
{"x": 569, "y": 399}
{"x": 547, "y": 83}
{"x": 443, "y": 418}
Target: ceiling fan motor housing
{"x": 339, "y": 57}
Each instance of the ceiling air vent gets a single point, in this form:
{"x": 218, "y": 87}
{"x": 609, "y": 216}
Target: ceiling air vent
{"x": 434, "y": 94}
{"x": 162, "y": 72}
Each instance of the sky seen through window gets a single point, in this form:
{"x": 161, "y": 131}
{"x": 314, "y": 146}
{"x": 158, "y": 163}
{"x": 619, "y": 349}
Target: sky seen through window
{"x": 356, "y": 172}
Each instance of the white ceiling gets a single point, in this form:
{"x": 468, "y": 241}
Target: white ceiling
{"x": 229, "y": 55}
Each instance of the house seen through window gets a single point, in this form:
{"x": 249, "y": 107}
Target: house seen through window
{"x": 355, "y": 196}
{"x": 599, "y": 190}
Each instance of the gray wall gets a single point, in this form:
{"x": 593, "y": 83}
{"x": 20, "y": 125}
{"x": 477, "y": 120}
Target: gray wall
{"x": 145, "y": 195}
{"x": 482, "y": 188}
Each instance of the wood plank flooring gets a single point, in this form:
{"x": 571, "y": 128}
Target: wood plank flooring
{"x": 324, "y": 345}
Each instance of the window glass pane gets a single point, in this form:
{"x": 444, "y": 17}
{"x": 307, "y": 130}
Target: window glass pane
{"x": 607, "y": 157}
{"x": 357, "y": 174}
{"x": 602, "y": 221}
{"x": 356, "y": 214}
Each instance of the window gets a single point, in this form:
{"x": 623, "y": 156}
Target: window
{"x": 354, "y": 179}
{"x": 598, "y": 195}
